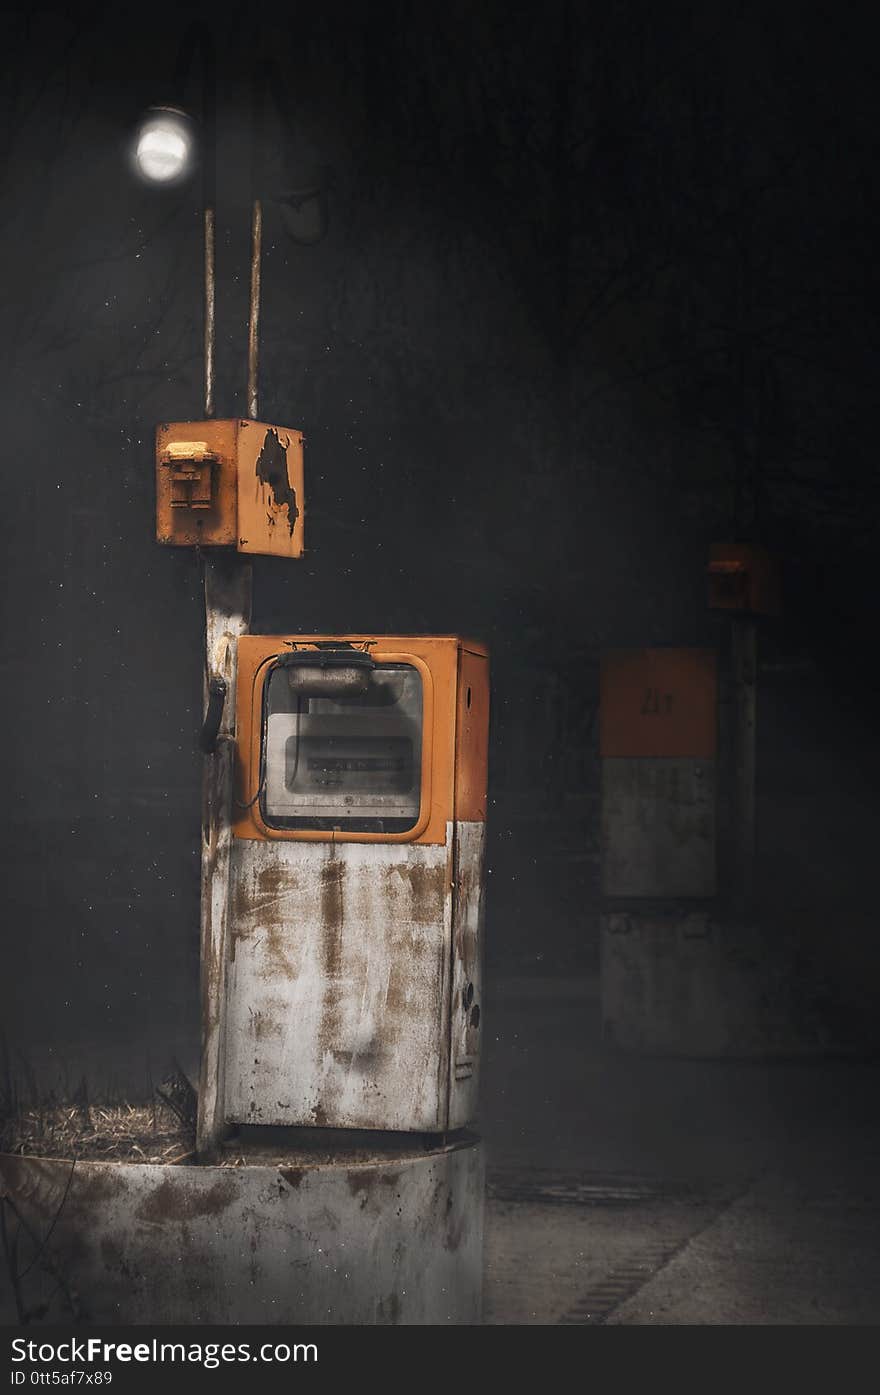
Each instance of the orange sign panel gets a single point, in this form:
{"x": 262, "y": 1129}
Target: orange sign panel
{"x": 659, "y": 702}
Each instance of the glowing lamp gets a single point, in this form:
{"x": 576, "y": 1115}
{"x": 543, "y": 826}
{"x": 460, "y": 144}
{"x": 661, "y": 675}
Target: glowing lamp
{"x": 164, "y": 146}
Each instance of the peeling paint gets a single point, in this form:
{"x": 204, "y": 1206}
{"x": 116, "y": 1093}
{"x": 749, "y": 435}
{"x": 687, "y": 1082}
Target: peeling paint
{"x": 272, "y": 472}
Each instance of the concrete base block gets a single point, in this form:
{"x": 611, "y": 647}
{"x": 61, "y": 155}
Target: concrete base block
{"x": 391, "y": 1239}
{"x": 685, "y": 983}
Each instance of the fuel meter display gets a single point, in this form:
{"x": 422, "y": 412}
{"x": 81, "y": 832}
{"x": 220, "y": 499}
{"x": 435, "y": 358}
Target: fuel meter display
{"x": 351, "y": 760}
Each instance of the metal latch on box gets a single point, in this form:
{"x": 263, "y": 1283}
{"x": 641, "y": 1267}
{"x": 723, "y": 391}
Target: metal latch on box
{"x": 191, "y": 465}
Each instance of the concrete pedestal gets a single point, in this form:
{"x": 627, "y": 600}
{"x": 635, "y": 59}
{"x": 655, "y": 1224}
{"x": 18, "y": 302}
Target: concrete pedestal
{"x": 392, "y": 1238}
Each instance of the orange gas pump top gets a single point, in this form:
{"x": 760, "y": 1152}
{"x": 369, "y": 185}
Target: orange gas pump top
{"x": 453, "y": 751}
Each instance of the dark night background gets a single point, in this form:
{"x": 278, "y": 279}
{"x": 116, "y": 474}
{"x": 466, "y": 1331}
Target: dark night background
{"x": 598, "y": 288}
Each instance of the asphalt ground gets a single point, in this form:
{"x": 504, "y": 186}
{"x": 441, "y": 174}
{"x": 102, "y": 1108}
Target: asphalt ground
{"x": 667, "y": 1191}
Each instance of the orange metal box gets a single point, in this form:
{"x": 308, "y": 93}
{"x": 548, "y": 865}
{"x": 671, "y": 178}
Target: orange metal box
{"x": 455, "y": 693}
{"x": 230, "y": 484}
{"x": 658, "y": 703}
{"x": 743, "y": 576}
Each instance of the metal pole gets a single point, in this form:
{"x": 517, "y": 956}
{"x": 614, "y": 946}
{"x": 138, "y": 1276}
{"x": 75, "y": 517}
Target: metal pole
{"x": 254, "y": 322}
{"x": 210, "y": 283}
{"x": 227, "y": 616}
{"x": 744, "y": 653}
{"x": 209, "y": 200}
{"x": 198, "y": 38}
{"x": 257, "y": 112}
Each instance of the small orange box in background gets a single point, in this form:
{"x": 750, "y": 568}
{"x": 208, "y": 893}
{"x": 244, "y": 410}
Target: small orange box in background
{"x": 658, "y": 702}
{"x": 743, "y": 576}
{"x": 236, "y": 484}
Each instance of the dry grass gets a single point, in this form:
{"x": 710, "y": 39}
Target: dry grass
{"x": 110, "y": 1133}
{"x": 66, "y": 1123}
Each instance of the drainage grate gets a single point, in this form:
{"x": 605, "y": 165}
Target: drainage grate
{"x": 597, "y": 1189}
{"x": 596, "y": 1306}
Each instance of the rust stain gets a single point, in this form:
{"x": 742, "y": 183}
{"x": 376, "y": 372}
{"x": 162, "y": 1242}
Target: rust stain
{"x": 452, "y": 1225}
{"x": 253, "y": 1266}
{"x": 93, "y": 1187}
{"x": 261, "y": 907}
{"x": 332, "y": 873}
{"x": 455, "y": 1233}
{"x": 331, "y": 893}
{"x": 170, "y": 1202}
{"x": 369, "y": 1179}
{"x": 293, "y": 1176}
{"x": 266, "y": 1027}
{"x": 242, "y": 900}
{"x": 42, "y": 1182}
{"x": 399, "y": 979}
{"x": 277, "y": 959}
{"x": 276, "y": 879}
{"x": 259, "y": 898}
{"x": 427, "y": 887}
{"x": 363, "y": 1060}
{"x": 388, "y": 1309}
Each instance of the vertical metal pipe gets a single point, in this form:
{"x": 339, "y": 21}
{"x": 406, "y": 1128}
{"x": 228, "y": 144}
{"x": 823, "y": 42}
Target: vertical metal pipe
{"x": 199, "y": 39}
{"x": 257, "y": 113}
{"x": 744, "y": 657}
{"x": 228, "y": 584}
{"x": 205, "y": 41}
{"x": 210, "y": 289}
{"x": 254, "y": 322}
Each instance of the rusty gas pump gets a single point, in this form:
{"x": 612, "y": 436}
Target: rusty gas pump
{"x": 678, "y": 929}
{"x": 343, "y": 820}
{"x": 345, "y": 804}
